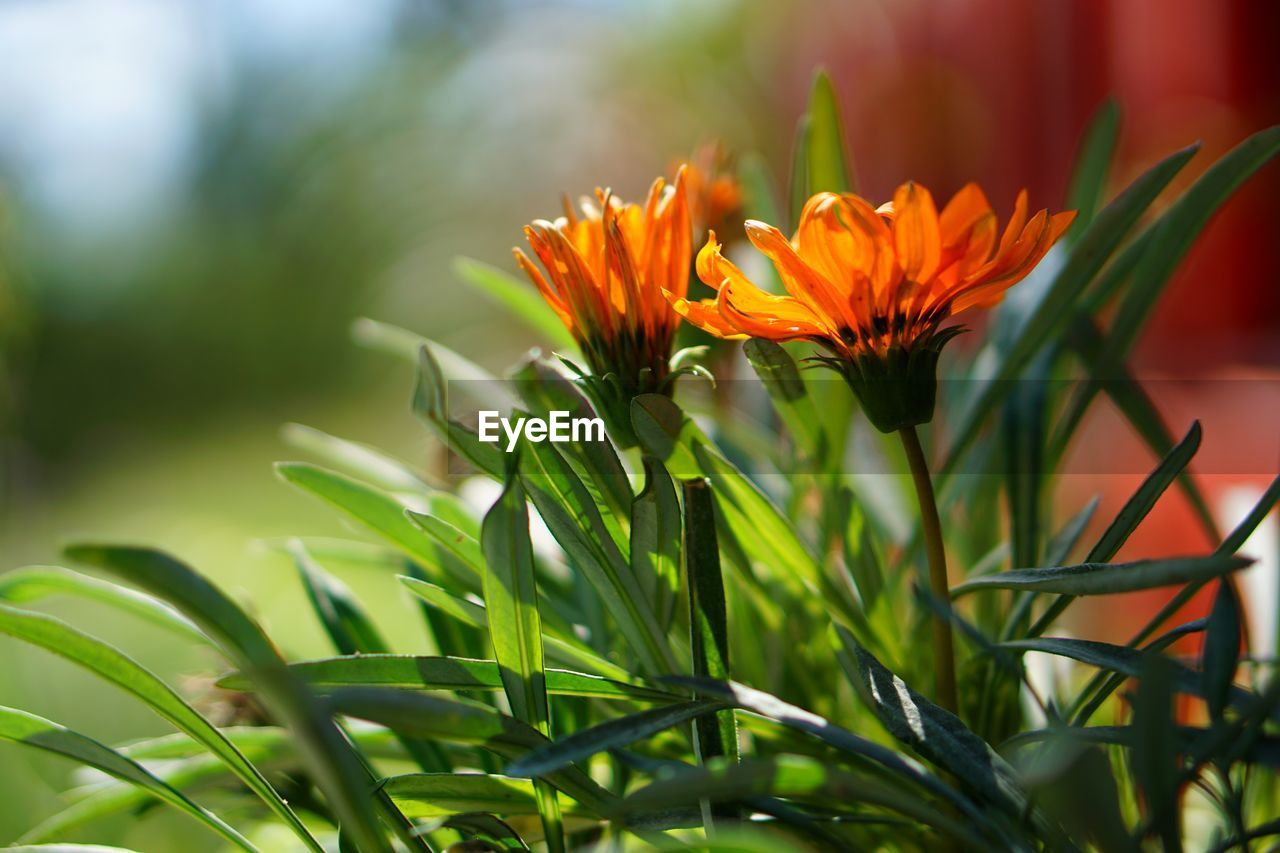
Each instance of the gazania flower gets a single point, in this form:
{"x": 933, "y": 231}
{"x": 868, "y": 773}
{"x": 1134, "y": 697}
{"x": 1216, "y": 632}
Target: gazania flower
{"x": 715, "y": 196}
{"x": 606, "y": 272}
{"x": 874, "y": 286}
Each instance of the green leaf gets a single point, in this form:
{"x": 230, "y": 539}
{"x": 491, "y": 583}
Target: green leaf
{"x": 1131, "y": 515}
{"x": 1155, "y": 750}
{"x": 1108, "y": 578}
{"x": 1093, "y": 163}
{"x": 365, "y": 462}
{"x": 1086, "y": 258}
{"x": 30, "y": 730}
{"x": 183, "y": 764}
{"x": 574, "y": 520}
{"x": 794, "y": 777}
{"x": 546, "y": 389}
{"x": 829, "y": 166}
{"x": 515, "y": 629}
{"x": 421, "y": 672}
{"x": 781, "y": 378}
{"x": 328, "y": 756}
{"x": 375, "y": 509}
{"x": 1221, "y": 654}
{"x": 655, "y": 540}
{"x": 462, "y": 545}
{"x": 343, "y": 619}
{"x": 766, "y": 705}
{"x": 708, "y": 622}
{"x": 757, "y": 524}
{"x": 459, "y": 721}
{"x": 121, "y": 670}
{"x": 935, "y": 733}
{"x": 1128, "y": 662}
{"x": 429, "y": 795}
{"x": 521, "y": 298}
{"x": 429, "y": 404}
{"x": 34, "y": 583}
{"x": 465, "y": 611}
{"x": 1176, "y": 231}
{"x": 608, "y": 735}
{"x": 566, "y": 650}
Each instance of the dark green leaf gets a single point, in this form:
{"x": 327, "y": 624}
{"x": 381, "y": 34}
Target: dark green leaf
{"x": 1093, "y": 164}
{"x": 344, "y": 620}
{"x": 708, "y": 621}
{"x": 1087, "y": 257}
{"x": 1155, "y": 750}
{"x": 1221, "y": 653}
{"x": 796, "y": 778}
{"x": 611, "y": 734}
{"x": 460, "y": 721}
{"x": 1109, "y": 578}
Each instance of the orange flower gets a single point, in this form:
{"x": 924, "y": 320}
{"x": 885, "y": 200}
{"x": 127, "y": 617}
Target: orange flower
{"x": 875, "y": 285}
{"x": 606, "y": 273}
{"x": 715, "y": 196}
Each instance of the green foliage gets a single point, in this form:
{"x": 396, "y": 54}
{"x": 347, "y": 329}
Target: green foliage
{"x": 646, "y": 647}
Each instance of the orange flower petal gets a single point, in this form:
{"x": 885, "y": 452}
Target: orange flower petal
{"x": 705, "y": 314}
{"x": 765, "y": 315}
{"x": 714, "y": 268}
{"x": 801, "y": 280}
{"x": 917, "y": 237}
{"x": 552, "y": 298}
{"x": 849, "y": 243}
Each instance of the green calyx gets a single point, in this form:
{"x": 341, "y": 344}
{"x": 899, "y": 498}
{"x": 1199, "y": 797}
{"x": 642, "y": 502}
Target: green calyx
{"x": 896, "y": 388}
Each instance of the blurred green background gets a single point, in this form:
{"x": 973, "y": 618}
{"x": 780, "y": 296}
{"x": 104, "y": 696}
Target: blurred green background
{"x": 197, "y": 198}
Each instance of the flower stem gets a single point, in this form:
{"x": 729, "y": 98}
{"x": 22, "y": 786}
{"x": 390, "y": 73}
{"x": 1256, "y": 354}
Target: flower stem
{"x": 944, "y": 657}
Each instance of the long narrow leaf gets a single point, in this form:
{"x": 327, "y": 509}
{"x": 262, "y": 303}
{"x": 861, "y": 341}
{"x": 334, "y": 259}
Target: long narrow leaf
{"x": 30, "y": 730}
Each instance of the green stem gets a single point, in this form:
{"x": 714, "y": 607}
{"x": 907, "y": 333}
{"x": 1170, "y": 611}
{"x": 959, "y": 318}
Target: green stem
{"x": 944, "y": 657}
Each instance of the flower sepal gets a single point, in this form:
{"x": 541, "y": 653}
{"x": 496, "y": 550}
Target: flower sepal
{"x": 610, "y": 400}
{"x": 897, "y": 388}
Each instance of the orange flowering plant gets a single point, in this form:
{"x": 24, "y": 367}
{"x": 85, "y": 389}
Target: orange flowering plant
{"x": 717, "y": 635}
{"x": 605, "y": 272}
{"x": 874, "y": 286}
